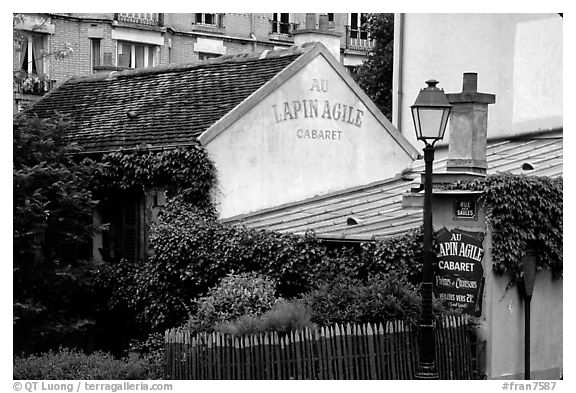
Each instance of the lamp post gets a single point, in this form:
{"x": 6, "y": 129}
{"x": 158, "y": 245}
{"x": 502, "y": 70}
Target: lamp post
{"x": 430, "y": 113}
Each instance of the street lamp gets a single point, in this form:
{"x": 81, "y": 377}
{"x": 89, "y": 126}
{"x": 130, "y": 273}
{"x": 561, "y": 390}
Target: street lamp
{"x": 430, "y": 113}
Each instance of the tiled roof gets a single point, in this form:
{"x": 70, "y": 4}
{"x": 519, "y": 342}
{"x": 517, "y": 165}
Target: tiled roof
{"x": 160, "y": 106}
{"x": 377, "y": 207}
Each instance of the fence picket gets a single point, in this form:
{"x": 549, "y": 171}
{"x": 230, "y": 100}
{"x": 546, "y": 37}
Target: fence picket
{"x": 257, "y": 361}
{"x": 311, "y": 354}
{"x": 355, "y": 352}
{"x": 400, "y": 348}
{"x": 267, "y": 358}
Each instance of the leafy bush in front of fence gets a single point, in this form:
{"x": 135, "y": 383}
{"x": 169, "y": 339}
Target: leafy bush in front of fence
{"x": 382, "y": 297}
{"x": 284, "y": 317}
{"x": 70, "y": 364}
{"x": 245, "y": 325}
{"x": 288, "y": 316}
{"x": 236, "y": 295}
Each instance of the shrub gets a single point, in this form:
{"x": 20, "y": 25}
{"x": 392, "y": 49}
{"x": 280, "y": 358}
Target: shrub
{"x": 70, "y": 364}
{"x": 152, "y": 349}
{"x": 235, "y": 296}
{"x": 245, "y": 325}
{"x": 284, "y": 317}
{"x": 287, "y": 316}
{"x": 348, "y": 300}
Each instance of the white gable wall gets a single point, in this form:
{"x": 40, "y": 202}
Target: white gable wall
{"x": 289, "y": 146}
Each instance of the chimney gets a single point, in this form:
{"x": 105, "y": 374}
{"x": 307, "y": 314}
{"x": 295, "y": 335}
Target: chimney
{"x": 468, "y": 127}
{"x": 310, "y": 21}
{"x": 323, "y": 22}
{"x": 322, "y": 34}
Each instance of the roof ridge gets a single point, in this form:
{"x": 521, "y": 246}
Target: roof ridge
{"x": 177, "y": 67}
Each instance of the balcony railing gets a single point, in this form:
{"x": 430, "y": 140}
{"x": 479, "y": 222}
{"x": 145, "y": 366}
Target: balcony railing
{"x": 150, "y": 19}
{"x": 283, "y": 28}
{"x": 33, "y": 84}
{"x": 358, "y": 39}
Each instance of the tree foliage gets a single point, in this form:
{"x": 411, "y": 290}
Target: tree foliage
{"x": 52, "y": 208}
{"x": 58, "y": 291}
{"x": 375, "y": 74}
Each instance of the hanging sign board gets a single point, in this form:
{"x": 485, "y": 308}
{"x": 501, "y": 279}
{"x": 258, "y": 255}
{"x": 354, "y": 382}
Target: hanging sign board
{"x": 459, "y": 277}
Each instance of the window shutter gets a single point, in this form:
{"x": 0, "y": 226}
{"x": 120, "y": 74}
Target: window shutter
{"x": 130, "y": 228}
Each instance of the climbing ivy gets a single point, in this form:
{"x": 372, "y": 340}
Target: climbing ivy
{"x": 186, "y": 170}
{"x": 193, "y": 251}
{"x": 522, "y": 210}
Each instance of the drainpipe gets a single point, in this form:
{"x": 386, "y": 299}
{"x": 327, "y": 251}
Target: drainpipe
{"x": 252, "y": 35}
{"x": 527, "y": 289}
{"x": 397, "y": 71}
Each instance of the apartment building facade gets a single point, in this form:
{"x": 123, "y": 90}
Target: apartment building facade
{"x": 50, "y": 48}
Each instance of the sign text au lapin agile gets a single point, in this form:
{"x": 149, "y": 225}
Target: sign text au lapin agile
{"x": 459, "y": 271}
{"x": 318, "y": 109}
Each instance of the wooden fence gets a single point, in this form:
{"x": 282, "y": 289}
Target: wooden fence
{"x": 383, "y": 351}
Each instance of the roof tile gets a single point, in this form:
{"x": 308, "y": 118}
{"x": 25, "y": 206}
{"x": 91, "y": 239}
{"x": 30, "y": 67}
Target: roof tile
{"x": 160, "y": 106}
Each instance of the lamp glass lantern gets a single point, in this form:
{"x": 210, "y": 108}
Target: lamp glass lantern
{"x": 430, "y": 113}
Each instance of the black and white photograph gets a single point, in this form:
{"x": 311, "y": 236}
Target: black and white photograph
{"x": 287, "y": 196}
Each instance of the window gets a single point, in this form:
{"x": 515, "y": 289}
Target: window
{"x": 30, "y": 64}
{"x": 95, "y": 52}
{"x": 122, "y": 217}
{"x": 358, "y": 26}
{"x": 353, "y": 69}
{"x": 330, "y": 17}
{"x": 206, "y": 56}
{"x": 134, "y": 55}
{"x": 281, "y": 23}
{"x": 212, "y": 20}
{"x": 31, "y": 49}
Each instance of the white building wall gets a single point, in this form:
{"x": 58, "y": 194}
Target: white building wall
{"x": 518, "y": 57}
{"x": 502, "y": 326}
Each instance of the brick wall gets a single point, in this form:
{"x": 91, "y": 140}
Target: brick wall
{"x": 262, "y": 26}
{"x": 79, "y": 61}
{"x": 75, "y": 32}
{"x": 179, "y": 21}
{"x": 238, "y": 25}
{"x": 182, "y": 49}
{"x": 234, "y": 48}
{"x": 340, "y": 23}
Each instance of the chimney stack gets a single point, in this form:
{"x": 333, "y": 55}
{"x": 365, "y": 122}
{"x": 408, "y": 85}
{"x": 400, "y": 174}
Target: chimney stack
{"x": 310, "y": 21}
{"x": 323, "y": 34}
{"x": 323, "y": 22}
{"x": 468, "y": 127}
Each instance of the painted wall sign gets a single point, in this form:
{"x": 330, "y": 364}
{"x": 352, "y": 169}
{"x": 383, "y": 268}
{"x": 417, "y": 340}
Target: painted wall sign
{"x": 459, "y": 272}
{"x": 343, "y": 114}
{"x": 465, "y": 209}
